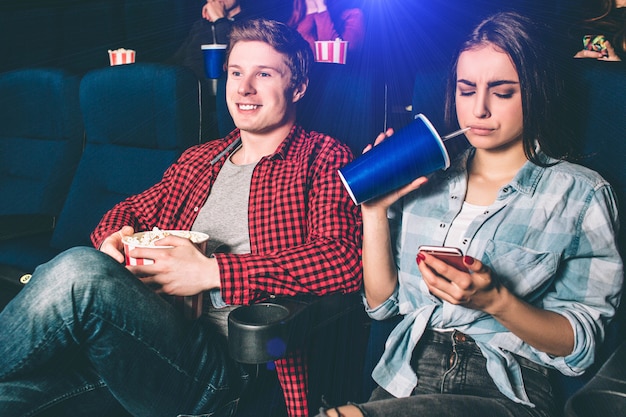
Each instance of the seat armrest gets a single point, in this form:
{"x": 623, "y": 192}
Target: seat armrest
{"x": 264, "y": 332}
{"x": 20, "y": 225}
{"x": 605, "y": 393}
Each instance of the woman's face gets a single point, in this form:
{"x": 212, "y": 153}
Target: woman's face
{"x": 488, "y": 98}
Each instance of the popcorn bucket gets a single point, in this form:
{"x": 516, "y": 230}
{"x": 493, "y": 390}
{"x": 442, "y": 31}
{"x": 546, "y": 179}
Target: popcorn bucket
{"x": 190, "y": 306}
{"x": 331, "y": 51}
{"x": 121, "y": 56}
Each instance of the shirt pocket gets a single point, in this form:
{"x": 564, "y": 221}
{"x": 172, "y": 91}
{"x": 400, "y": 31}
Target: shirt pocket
{"x": 525, "y": 272}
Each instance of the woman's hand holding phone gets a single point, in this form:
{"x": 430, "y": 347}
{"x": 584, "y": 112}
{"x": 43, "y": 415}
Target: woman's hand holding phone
{"x": 462, "y": 281}
{"x": 597, "y": 47}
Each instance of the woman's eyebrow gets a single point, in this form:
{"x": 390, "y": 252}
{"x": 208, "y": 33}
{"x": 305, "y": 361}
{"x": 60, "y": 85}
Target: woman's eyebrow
{"x": 489, "y": 84}
{"x": 501, "y": 82}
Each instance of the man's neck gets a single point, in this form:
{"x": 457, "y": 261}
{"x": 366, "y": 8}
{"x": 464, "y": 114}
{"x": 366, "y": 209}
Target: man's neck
{"x": 255, "y": 146}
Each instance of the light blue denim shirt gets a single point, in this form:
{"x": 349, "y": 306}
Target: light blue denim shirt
{"x": 550, "y": 238}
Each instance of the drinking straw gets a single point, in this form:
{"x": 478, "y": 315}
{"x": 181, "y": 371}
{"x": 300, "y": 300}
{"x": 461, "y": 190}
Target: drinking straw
{"x": 455, "y": 133}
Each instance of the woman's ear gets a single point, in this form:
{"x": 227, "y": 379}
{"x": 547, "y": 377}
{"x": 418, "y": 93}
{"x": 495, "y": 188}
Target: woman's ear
{"x": 298, "y": 91}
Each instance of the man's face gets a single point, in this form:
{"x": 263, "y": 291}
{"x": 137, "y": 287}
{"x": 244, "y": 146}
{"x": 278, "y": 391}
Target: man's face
{"x": 258, "y": 92}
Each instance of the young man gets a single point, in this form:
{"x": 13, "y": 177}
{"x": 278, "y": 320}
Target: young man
{"x": 269, "y": 197}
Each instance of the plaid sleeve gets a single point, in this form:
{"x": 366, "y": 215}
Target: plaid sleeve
{"x": 293, "y": 376}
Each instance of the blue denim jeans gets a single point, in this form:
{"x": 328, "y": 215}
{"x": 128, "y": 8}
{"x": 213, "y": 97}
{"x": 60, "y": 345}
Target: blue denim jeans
{"x": 84, "y": 325}
{"x": 453, "y": 381}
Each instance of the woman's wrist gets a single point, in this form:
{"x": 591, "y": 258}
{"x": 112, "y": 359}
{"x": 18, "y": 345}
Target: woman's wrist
{"x": 373, "y": 213}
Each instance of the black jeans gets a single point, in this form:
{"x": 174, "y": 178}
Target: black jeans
{"x": 453, "y": 381}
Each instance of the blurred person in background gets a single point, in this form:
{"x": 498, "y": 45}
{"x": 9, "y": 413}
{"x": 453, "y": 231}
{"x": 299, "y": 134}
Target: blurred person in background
{"x": 327, "y": 20}
{"x": 606, "y": 18}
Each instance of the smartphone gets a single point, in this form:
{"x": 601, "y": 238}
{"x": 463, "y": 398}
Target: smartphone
{"x": 448, "y": 254}
{"x": 595, "y": 43}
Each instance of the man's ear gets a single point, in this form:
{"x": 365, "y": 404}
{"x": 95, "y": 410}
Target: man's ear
{"x": 298, "y": 91}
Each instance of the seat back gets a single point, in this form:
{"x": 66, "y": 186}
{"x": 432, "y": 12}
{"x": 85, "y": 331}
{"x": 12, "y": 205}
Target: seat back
{"x": 595, "y": 117}
{"x": 138, "y": 120}
{"x": 343, "y": 102}
{"x": 41, "y": 137}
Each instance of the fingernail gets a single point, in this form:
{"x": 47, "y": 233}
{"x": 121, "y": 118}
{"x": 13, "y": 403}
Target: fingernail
{"x": 420, "y": 258}
{"x": 468, "y": 260}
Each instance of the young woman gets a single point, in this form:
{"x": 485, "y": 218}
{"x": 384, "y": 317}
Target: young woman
{"x": 541, "y": 273}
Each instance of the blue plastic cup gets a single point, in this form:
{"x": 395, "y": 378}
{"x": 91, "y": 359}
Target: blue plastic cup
{"x": 412, "y": 152}
{"x": 214, "y": 55}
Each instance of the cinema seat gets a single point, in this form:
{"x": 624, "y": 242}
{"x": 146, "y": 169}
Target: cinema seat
{"x": 41, "y": 139}
{"x": 138, "y": 119}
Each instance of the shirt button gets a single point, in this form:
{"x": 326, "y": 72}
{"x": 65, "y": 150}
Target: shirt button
{"x": 442, "y": 225}
{"x": 465, "y": 241}
{"x": 505, "y": 189}
{"x": 486, "y": 212}
{"x": 454, "y": 197}
{"x": 196, "y": 209}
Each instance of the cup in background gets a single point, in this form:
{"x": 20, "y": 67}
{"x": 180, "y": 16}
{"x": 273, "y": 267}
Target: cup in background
{"x": 413, "y": 151}
{"x": 121, "y": 56}
{"x": 214, "y": 55}
{"x": 335, "y": 52}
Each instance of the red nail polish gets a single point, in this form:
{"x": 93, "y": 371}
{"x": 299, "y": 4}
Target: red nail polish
{"x": 468, "y": 260}
{"x": 420, "y": 257}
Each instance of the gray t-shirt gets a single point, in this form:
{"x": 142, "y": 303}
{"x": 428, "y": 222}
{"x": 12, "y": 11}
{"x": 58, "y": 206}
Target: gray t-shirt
{"x": 224, "y": 217}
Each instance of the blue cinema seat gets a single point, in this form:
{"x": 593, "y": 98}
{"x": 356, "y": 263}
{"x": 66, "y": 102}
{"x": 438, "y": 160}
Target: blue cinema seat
{"x": 41, "y": 137}
{"x": 597, "y": 115}
{"x": 138, "y": 119}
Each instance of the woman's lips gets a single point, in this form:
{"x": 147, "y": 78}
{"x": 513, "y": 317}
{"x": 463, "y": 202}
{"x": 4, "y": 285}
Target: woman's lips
{"x": 481, "y": 130}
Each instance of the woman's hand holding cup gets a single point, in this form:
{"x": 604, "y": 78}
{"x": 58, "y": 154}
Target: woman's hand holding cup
{"x": 384, "y": 202}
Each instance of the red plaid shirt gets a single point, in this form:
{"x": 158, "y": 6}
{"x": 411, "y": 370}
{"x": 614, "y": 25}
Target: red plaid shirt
{"x": 305, "y": 233}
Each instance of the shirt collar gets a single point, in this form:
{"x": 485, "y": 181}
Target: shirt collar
{"x": 233, "y": 140}
{"x": 525, "y": 181}
{"x": 528, "y": 177}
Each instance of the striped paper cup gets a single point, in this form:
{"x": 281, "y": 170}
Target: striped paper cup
{"x": 121, "y": 56}
{"x": 190, "y": 306}
{"x": 331, "y": 51}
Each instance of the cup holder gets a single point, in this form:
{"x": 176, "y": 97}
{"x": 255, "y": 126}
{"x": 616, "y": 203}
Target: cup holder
{"x": 259, "y": 314}
{"x": 259, "y": 333}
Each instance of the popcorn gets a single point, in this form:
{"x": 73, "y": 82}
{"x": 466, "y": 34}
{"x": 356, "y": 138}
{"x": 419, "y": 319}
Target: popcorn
{"x": 190, "y": 306}
{"x": 121, "y": 56}
{"x": 150, "y": 237}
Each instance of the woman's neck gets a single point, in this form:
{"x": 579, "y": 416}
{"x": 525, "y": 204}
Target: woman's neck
{"x": 489, "y": 171}
{"x": 498, "y": 166}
